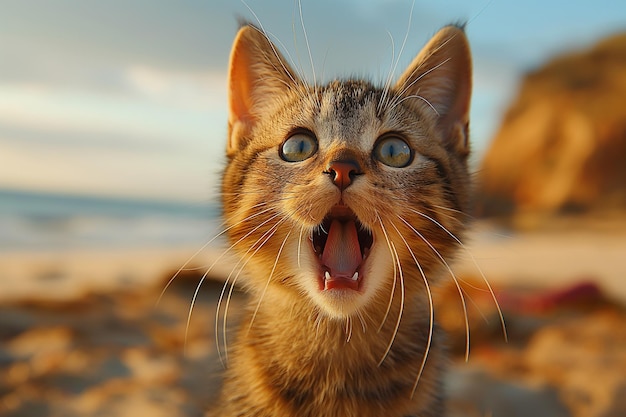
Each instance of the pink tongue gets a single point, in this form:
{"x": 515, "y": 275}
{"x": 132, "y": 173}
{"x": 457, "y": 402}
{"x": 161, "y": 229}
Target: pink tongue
{"x": 342, "y": 254}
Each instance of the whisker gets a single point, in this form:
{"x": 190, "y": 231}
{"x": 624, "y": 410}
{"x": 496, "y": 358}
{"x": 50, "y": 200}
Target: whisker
{"x": 439, "y": 48}
{"x": 259, "y": 243}
{"x": 192, "y": 305}
{"x": 395, "y": 64}
{"x": 387, "y": 86}
{"x": 266, "y": 34}
{"x": 431, "y": 309}
{"x": 469, "y": 216}
{"x": 297, "y": 83}
{"x": 400, "y": 97}
{"x": 417, "y": 96}
{"x": 182, "y": 268}
{"x": 306, "y": 41}
{"x": 493, "y": 295}
{"x": 393, "y": 284}
{"x": 456, "y": 282}
{"x": 204, "y": 276}
{"x": 449, "y": 216}
{"x": 280, "y": 250}
{"x": 216, "y": 329}
{"x": 348, "y": 329}
{"x": 362, "y": 320}
{"x": 300, "y": 245}
{"x": 395, "y": 330}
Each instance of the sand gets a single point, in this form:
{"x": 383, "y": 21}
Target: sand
{"x": 82, "y": 334}
{"x": 66, "y": 275}
{"x": 562, "y": 252}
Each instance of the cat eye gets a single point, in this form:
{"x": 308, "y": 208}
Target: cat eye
{"x": 298, "y": 147}
{"x": 393, "y": 151}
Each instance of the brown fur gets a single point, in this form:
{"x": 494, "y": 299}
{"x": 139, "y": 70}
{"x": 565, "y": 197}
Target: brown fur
{"x": 306, "y": 352}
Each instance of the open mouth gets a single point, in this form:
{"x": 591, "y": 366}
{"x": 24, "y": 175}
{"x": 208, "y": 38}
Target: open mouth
{"x": 341, "y": 244}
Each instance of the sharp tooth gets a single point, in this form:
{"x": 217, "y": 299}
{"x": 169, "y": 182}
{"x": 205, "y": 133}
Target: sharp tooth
{"x": 355, "y": 276}
{"x": 326, "y": 276}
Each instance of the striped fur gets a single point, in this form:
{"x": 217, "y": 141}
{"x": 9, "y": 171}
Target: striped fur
{"x": 373, "y": 352}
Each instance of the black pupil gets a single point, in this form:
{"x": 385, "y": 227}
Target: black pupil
{"x": 298, "y": 148}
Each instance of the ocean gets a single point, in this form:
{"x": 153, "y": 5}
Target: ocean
{"x": 47, "y": 221}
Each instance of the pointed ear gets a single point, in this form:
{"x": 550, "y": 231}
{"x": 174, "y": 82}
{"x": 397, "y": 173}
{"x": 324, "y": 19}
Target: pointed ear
{"x": 257, "y": 74}
{"x": 440, "y": 77}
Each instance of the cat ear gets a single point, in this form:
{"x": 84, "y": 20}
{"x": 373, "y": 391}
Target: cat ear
{"x": 440, "y": 78}
{"x": 257, "y": 75}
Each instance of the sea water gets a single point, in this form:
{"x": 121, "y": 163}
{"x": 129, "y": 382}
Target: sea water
{"x": 47, "y": 221}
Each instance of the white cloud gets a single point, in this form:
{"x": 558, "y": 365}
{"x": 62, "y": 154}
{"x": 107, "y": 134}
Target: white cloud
{"x": 162, "y": 138}
{"x": 155, "y": 101}
{"x": 111, "y": 172}
{"x": 185, "y": 89}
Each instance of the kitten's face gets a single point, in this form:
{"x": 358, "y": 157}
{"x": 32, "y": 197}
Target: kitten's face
{"x": 339, "y": 194}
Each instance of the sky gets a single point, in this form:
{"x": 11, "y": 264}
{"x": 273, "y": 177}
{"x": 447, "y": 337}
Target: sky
{"x": 129, "y": 99}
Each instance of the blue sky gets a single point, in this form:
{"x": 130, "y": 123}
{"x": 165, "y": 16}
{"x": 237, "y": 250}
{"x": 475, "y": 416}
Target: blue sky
{"x": 129, "y": 99}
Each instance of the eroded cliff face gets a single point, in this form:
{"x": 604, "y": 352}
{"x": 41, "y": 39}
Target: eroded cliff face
{"x": 562, "y": 143}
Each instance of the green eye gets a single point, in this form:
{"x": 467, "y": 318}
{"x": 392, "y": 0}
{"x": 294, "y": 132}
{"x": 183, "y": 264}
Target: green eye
{"x": 298, "y": 147}
{"x": 393, "y": 151}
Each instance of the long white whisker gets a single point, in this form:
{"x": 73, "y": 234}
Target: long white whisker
{"x": 280, "y": 250}
{"x": 387, "y": 86}
{"x": 182, "y": 268}
{"x": 424, "y": 74}
{"x": 493, "y": 295}
{"x": 257, "y": 245}
{"x": 219, "y": 302}
{"x": 417, "y": 96}
{"x": 406, "y": 36}
{"x": 362, "y": 320}
{"x": 306, "y": 41}
{"x": 300, "y": 245}
{"x": 401, "y": 95}
{"x": 394, "y": 61}
{"x": 397, "y": 326}
{"x": 456, "y": 282}
{"x": 348, "y": 329}
{"x": 452, "y": 210}
{"x": 276, "y": 54}
{"x": 431, "y": 322}
{"x": 393, "y": 283}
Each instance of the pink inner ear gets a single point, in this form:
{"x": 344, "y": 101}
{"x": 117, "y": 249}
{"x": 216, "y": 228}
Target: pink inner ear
{"x": 257, "y": 74}
{"x": 239, "y": 89}
{"x": 239, "y": 95}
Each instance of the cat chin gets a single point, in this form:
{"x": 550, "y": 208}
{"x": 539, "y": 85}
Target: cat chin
{"x": 340, "y": 303}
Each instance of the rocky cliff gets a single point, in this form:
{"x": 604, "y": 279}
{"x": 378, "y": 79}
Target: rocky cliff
{"x": 562, "y": 143}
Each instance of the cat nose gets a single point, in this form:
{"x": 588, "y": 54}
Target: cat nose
{"x": 342, "y": 172}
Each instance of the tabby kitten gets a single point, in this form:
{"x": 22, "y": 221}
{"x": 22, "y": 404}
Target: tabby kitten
{"x": 343, "y": 202}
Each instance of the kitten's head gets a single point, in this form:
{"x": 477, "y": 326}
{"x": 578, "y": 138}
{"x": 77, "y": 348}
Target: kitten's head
{"x": 341, "y": 194}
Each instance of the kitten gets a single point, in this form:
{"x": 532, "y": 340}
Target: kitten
{"x": 344, "y": 203}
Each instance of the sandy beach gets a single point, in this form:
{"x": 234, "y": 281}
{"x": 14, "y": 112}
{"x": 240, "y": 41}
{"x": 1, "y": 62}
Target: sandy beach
{"x": 560, "y": 252}
{"x": 66, "y": 275}
{"x": 82, "y": 334}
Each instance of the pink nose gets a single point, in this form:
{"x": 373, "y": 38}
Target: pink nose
{"x": 342, "y": 173}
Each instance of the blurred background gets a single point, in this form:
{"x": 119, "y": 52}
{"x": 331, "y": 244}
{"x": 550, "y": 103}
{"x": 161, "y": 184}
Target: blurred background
{"x": 112, "y": 134}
